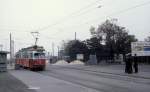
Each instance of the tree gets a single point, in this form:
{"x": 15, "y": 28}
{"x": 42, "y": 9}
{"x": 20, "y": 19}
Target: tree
{"x": 75, "y": 47}
{"x": 95, "y": 47}
{"x": 116, "y": 37}
{"x": 93, "y": 44}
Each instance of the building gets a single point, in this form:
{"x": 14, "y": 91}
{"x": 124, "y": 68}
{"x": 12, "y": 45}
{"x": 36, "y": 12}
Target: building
{"x": 3, "y": 61}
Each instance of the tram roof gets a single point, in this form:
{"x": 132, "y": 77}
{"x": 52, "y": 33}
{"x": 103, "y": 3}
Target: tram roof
{"x": 33, "y": 48}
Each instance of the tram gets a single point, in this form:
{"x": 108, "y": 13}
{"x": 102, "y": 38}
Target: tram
{"x": 32, "y": 58}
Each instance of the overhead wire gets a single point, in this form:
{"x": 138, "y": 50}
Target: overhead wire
{"x": 68, "y": 17}
{"x": 74, "y": 14}
{"x": 97, "y": 19}
{"x": 112, "y": 14}
{"x": 109, "y": 15}
{"x": 79, "y": 12}
{"x": 124, "y": 10}
{"x": 58, "y": 22}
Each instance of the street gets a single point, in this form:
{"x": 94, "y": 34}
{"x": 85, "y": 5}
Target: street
{"x": 78, "y": 78}
{"x": 99, "y": 81}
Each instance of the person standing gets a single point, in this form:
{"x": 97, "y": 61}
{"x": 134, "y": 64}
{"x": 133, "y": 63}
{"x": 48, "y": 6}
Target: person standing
{"x": 126, "y": 64}
{"x": 135, "y": 65}
{"x": 128, "y": 67}
{"x": 130, "y": 64}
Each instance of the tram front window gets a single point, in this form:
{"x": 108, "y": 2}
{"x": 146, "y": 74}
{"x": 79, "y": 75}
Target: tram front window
{"x": 39, "y": 55}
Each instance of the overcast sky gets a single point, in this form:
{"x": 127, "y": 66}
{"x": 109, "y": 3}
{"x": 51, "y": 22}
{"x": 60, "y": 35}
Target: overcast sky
{"x": 58, "y": 20}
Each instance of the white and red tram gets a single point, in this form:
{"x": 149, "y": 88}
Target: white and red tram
{"x": 32, "y": 58}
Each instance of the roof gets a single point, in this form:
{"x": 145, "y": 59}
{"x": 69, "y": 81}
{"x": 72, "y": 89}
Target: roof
{"x": 33, "y": 48}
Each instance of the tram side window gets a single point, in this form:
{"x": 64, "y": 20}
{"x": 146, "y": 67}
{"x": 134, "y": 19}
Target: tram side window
{"x": 17, "y": 55}
{"x": 21, "y": 56}
{"x": 24, "y": 55}
{"x": 39, "y": 55}
{"x": 35, "y": 55}
{"x": 42, "y": 55}
{"x": 30, "y": 55}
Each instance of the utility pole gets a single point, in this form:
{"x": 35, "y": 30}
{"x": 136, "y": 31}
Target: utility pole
{"x": 52, "y": 49}
{"x": 75, "y": 35}
{"x": 1, "y": 47}
{"x": 10, "y": 49}
{"x": 58, "y": 51}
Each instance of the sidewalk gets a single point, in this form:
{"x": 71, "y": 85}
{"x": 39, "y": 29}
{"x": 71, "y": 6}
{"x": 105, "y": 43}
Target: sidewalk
{"x": 118, "y": 69}
{"x": 9, "y": 83}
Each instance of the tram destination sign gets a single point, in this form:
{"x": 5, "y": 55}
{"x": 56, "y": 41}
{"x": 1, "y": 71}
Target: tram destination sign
{"x": 140, "y": 48}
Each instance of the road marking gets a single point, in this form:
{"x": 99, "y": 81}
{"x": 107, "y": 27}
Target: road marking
{"x": 32, "y": 87}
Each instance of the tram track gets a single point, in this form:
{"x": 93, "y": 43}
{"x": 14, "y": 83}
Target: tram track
{"x": 126, "y": 77}
{"x": 92, "y": 84}
{"x": 94, "y": 80}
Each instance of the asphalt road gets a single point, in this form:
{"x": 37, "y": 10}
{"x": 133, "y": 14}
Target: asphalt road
{"x": 96, "y": 80}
